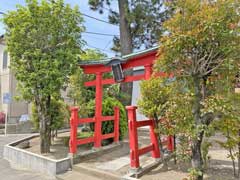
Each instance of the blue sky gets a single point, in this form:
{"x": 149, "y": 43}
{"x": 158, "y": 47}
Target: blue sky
{"x": 103, "y": 43}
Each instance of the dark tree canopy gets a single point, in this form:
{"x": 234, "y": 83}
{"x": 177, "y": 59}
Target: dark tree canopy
{"x": 145, "y": 19}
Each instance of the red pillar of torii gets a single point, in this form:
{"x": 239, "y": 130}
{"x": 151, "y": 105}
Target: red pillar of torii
{"x": 98, "y": 68}
{"x": 145, "y": 58}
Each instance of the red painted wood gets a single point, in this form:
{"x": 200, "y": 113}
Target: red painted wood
{"x": 93, "y": 69}
{"x": 73, "y": 130}
{"x": 111, "y": 81}
{"x": 104, "y": 82}
{"x": 139, "y": 60}
{"x": 153, "y": 135}
{"x": 144, "y": 123}
{"x": 142, "y": 61}
{"x": 98, "y": 111}
{"x": 107, "y": 118}
{"x": 146, "y": 60}
{"x": 170, "y": 143}
{"x": 164, "y": 140}
{"x": 85, "y": 120}
{"x": 127, "y": 79}
{"x": 133, "y": 137}
{"x": 116, "y": 123}
{"x": 85, "y": 140}
{"x": 154, "y": 141}
{"x": 107, "y": 136}
{"x": 148, "y": 71}
{"x": 145, "y": 150}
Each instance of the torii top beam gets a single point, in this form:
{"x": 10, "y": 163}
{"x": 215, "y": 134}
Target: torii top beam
{"x": 140, "y": 58}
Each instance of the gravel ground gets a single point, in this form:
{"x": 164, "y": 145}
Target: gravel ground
{"x": 220, "y": 167}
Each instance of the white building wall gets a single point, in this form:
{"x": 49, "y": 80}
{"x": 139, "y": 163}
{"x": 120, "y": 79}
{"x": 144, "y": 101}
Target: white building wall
{"x": 8, "y": 84}
{"x": 4, "y": 79}
{"x": 136, "y": 92}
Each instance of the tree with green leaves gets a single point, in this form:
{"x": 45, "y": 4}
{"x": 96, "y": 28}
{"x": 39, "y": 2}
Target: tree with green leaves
{"x": 139, "y": 22}
{"x": 201, "y": 48}
{"x": 230, "y": 128}
{"x": 154, "y": 105}
{"x": 60, "y": 116}
{"x": 43, "y": 39}
{"x": 79, "y": 94}
{"x": 139, "y": 25}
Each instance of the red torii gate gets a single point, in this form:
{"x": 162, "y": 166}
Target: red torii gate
{"x": 144, "y": 58}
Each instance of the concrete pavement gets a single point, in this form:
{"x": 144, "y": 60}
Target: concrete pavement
{"x": 8, "y": 172}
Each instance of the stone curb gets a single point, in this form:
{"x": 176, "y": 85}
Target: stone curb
{"x": 25, "y": 159}
{"x": 21, "y": 158}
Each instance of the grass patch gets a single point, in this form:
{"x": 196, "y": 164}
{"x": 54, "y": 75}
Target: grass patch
{"x": 80, "y": 135}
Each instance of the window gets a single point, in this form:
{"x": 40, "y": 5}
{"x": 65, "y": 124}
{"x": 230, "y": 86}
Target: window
{"x": 5, "y": 59}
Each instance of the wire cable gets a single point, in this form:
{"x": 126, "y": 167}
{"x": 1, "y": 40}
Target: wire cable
{"x": 97, "y": 19}
{"x": 101, "y": 34}
{"x": 98, "y": 48}
{"x": 109, "y": 42}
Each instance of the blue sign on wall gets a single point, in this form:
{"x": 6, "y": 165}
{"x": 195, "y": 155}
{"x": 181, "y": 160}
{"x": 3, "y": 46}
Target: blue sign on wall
{"x": 7, "y": 98}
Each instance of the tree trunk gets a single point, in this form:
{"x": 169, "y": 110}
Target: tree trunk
{"x": 44, "y": 124}
{"x": 45, "y": 133}
{"x": 233, "y": 162}
{"x": 165, "y": 165}
{"x": 239, "y": 154}
{"x": 126, "y": 44}
{"x": 197, "y": 161}
{"x": 175, "y": 149}
{"x": 125, "y": 32}
{"x": 231, "y": 154}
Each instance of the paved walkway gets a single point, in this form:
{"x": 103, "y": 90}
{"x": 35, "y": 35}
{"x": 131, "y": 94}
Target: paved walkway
{"x": 7, "y": 172}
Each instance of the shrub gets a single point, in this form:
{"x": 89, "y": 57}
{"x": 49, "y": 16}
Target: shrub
{"x": 59, "y": 115}
{"x": 108, "y": 105}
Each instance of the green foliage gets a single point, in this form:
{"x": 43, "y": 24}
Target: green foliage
{"x": 43, "y": 39}
{"x": 77, "y": 92}
{"x": 154, "y": 103}
{"x": 144, "y": 19}
{"x": 34, "y": 117}
{"x": 202, "y": 50}
{"x": 59, "y": 115}
{"x": 205, "y": 149}
{"x": 81, "y": 135}
{"x": 92, "y": 54}
{"x": 193, "y": 173}
{"x": 108, "y": 110}
{"x": 229, "y": 126}
{"x": 114, "y": 90}
{"x": 183, "y": 149}
{"x": 202, "y": 36}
